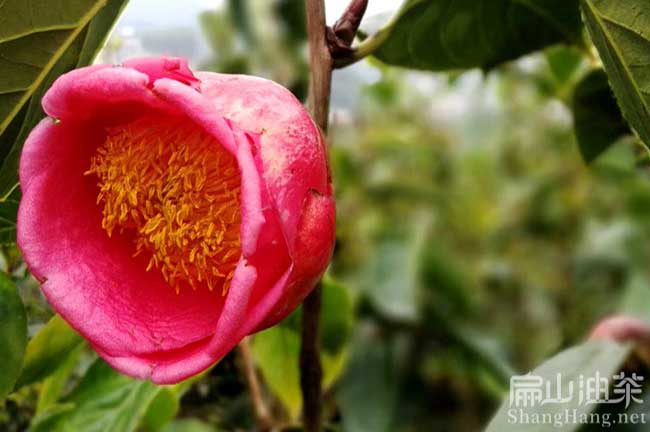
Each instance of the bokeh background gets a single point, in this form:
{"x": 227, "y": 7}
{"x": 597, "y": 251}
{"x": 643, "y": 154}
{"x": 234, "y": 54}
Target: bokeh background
{"x": 473, "y": 241}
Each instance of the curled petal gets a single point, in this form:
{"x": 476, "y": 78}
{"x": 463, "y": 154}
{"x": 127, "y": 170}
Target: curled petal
{"x": 164, "y": 67}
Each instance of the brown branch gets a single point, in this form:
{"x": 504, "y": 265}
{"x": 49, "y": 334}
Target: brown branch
{"x": 311, "y": 372}
{"x": 261, "y": 411}
{"x": 320, "y": 82}
{"x": 320, "y": 62}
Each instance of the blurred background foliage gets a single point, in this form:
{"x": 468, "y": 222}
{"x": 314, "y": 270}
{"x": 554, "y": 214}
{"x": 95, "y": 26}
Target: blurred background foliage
{"x": 473, "y": 242}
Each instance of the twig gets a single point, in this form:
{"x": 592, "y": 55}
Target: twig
{"x": 260, "y": 409}
{"x": 363, "y": 50}
{"x": 320, "y": 82}
{"x": 341, "y": 35}
{"x": 311, "y": 372}
{"x": 346, "y": 27}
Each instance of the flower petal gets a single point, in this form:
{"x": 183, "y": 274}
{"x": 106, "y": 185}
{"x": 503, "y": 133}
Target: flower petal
{"x": 103, "y": 94}
{"x": 90, "y": 279}
{"x": 156, "y": 68}
{"x": 291, "y": 148}
{"x": 174, "y": 366}
{"x": 291, "y": 157}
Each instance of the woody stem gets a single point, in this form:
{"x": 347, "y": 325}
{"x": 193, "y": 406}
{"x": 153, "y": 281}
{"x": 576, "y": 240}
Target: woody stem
{"x": 319, "y": 102}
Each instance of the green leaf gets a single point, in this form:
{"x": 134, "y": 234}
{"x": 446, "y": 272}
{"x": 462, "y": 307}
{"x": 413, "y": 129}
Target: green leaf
{"x": 337, "y": 318}
{"x": 47, "y": 350}
{"x": 166, "y": 404}
{"x": 47, "y": 421}
{"x": 13, "y": 334}
{"x": 78, "y": 38}
{"x": 277, "y": 351}
{"x": 368, "y": 391}
{"x": 32, "y": 39}
{"x": 8, "y": 216}
{"x": 564, "y": 63}
{"x": 597, "y": 119}
{"x": 587, "y": 360}
{"x": 162, "y": 411}
{"x": 239, "y": 12}
{"x": 291, "y": 13}
{"x": 445, "y": 283}
{"x": 447, "y": 34}
{"x": 98, "y": 31}
{"x": 635, "y": 301}
{"x": 104, "y": 401}
{"x": 394, "y": 265}
{"x": 621, "y": 33}
{"x": 54, "y": 385}
{"x": 189, "y": 425}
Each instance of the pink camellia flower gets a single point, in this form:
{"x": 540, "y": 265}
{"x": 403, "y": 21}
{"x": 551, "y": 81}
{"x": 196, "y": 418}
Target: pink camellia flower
{"x": 169, "y": 215}
{"x": 621, "y": 328}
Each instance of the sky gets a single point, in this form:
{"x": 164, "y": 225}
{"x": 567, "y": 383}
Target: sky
{"x": 147, "y": 17}
{"x": 334, "y": 8}
{"x": 144, "y": 26}
{"x": 145, "y": 20}
{"x": 166, "y": 13}
{"x": 144, "y": 29}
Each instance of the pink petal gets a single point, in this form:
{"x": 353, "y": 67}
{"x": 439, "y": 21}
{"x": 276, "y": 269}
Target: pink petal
{"x": 164, "y": 67}
{"x": 292, "y": 159}
{"x": 173, "y": 367}
{"x": 622, "y": 329}
{"x": 291, "y": 148}
{"x": 90, "y": 279}
{"x": 103, "y": 94}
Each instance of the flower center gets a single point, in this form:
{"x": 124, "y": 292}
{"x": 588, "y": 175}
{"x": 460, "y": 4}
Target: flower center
{"x": 176, "y": 190}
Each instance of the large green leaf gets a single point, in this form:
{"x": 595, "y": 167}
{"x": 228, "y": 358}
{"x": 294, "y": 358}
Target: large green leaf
{"x": 47, "y": 350}
{"x": 459, "y": 34}
{"x": 13, "y": 334}
{"x": 34, "y": 35}
{"x": 621, "y": 32}
{"x": 104, "y": 401}
{"x": 597, "y": 119}
{"x": 592, "y": 359}
{"x": 34, "y": 56}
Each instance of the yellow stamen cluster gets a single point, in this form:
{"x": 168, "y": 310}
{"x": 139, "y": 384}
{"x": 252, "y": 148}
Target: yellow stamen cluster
{"x": 176, "y": 191}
